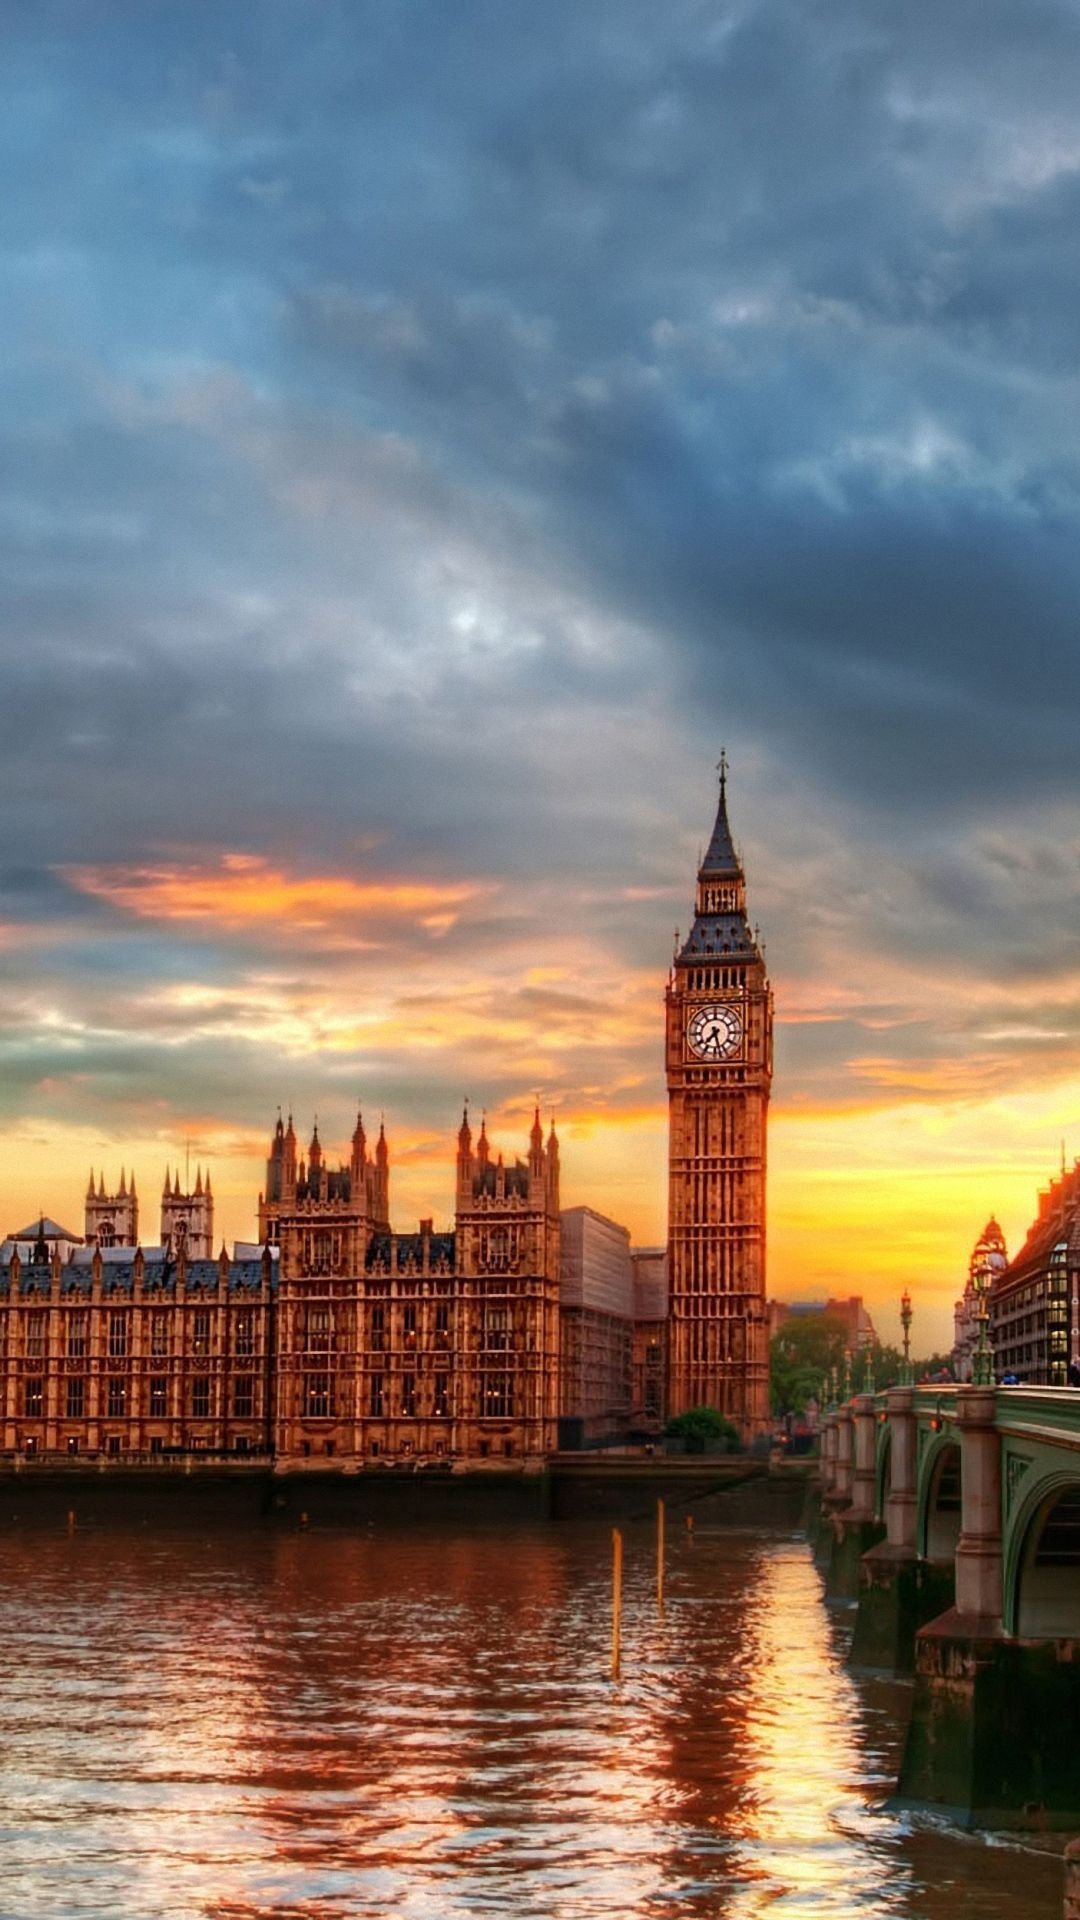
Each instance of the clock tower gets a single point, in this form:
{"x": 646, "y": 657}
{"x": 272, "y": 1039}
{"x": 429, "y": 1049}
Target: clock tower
{"x": 719, "y": 1069}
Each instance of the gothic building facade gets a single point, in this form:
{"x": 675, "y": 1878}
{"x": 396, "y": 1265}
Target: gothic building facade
{"x": 335, "y": 1337}
{"x": 428, "y": 1344}
{"x": 719, "y": 1073}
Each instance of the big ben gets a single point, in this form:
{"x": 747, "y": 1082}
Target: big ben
{"x": 719, "y": 1071}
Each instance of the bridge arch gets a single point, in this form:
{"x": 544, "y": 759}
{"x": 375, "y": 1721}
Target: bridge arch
{"x": 939, "y": 1499}
{"x": 1041, "y": 1573}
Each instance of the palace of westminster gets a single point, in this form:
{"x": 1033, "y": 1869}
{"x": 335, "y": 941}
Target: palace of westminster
{"x": 334, "y": 1339}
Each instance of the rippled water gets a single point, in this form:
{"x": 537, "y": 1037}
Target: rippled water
{"x": 325, "y": 1725}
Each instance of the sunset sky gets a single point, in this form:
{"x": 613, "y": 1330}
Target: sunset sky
{"x": 431, "y": 431}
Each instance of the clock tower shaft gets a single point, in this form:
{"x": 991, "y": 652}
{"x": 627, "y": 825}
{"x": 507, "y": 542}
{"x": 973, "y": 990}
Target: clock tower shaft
{"x": 719, "y": 1072}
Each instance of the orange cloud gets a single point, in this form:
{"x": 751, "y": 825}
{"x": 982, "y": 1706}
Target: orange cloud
{"x": 244, "y": 889}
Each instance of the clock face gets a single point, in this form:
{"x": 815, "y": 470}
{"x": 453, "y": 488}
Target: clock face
{"x": 715, "y": 1033}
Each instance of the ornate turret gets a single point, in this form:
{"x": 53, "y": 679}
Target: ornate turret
{"x": 553, "y": 1167}
{"x": 187, "y": 1219}
{"x": 111, "y": 1219}
{"x": 359, "y": 1147}
{"x": 464, "y": 1155}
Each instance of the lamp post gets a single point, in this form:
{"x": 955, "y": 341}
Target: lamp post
{"x": 905, "y": 1322}
{"x": 982, "y": 1371}
{"x": 845, "y": 1378}
{"x": 868, "y": 1385}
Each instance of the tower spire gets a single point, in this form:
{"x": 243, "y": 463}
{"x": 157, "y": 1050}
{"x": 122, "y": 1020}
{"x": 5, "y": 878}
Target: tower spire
{"x": 721, "y": 859}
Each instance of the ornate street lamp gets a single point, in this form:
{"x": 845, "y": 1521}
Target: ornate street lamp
{"x": 982, "y": 1370}
{"x": 868, "y": 1372}
{"x": 905, "y": 1322}
{"x": 845, "y": 1377}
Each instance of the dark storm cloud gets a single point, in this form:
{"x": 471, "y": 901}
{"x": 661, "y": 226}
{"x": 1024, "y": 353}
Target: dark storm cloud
{"x": 430, "y": 430}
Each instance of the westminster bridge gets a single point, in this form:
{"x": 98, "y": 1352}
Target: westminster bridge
{"x": 952, "y": 1514}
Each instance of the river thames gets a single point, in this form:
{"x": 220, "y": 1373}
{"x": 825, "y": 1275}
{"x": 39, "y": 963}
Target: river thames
{"x": 409, "y": 1727}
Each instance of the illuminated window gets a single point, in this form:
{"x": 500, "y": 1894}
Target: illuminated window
{"x": 33, "y": 1398}
{"x": 318, "y": 1397}
{"x": 375, "y": 1396}
{"x": 159, "y": 1397}
{"x": 200, "y": 1331}
{"x": 497, "y": 1396}
{"x": 245, "y": 1332}
{"x": 116, "y": 1402}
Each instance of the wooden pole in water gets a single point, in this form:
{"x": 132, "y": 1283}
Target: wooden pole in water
{"x": 616, "y": 1601}
{"x": 660, "y": 1521}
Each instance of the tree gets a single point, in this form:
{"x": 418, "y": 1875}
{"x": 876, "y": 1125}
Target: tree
{"x": 801, "y": 1355}
{"x": 702, "y": 1428}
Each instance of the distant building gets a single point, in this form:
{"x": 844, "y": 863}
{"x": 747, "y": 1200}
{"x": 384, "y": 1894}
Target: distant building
{"x": 1035, "y": 1301}
{"x": 988, "y": 1262}
{"x": 859, "y": 1329}
{"x": 40, "y": 1233}
{"x": 187, "y": 1219}
{"x": 112, "y": 1219}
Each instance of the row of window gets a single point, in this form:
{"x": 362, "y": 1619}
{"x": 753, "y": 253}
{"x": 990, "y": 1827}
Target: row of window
{"x": 120, "y": 1401}
{"x": 496, "y": 1396}
{"x": 400, "y": 1397}
{"x": 118, "y": 1333}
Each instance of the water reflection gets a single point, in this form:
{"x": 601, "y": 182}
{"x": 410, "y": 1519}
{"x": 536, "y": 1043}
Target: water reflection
{"x": 805, "y": 1835}
{"x": 424, "y": 1728}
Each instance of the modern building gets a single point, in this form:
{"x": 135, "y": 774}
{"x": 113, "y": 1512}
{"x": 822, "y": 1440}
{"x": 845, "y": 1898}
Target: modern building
{"x": 719, "y": 1072}
{"x": 596, "y": 1329}
{"x": 649, "y": 1392}
{"x": 1035, "y": 1300}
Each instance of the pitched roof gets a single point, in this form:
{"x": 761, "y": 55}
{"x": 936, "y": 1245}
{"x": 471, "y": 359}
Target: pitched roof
{"x": 51, "y": 1229}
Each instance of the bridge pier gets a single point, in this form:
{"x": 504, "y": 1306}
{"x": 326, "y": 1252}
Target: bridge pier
{"x": 898, "y": 1592}
{"x": 820, "y": 1529}
{"x": 994, "y": 1738}
{"x": 855, "y": 1525}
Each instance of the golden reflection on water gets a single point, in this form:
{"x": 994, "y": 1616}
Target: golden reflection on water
{"x": 801, "y": 1730}
{"x": 394, "y": 1727}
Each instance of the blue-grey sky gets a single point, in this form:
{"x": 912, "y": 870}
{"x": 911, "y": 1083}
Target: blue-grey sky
{"x": 430, "y": 432}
